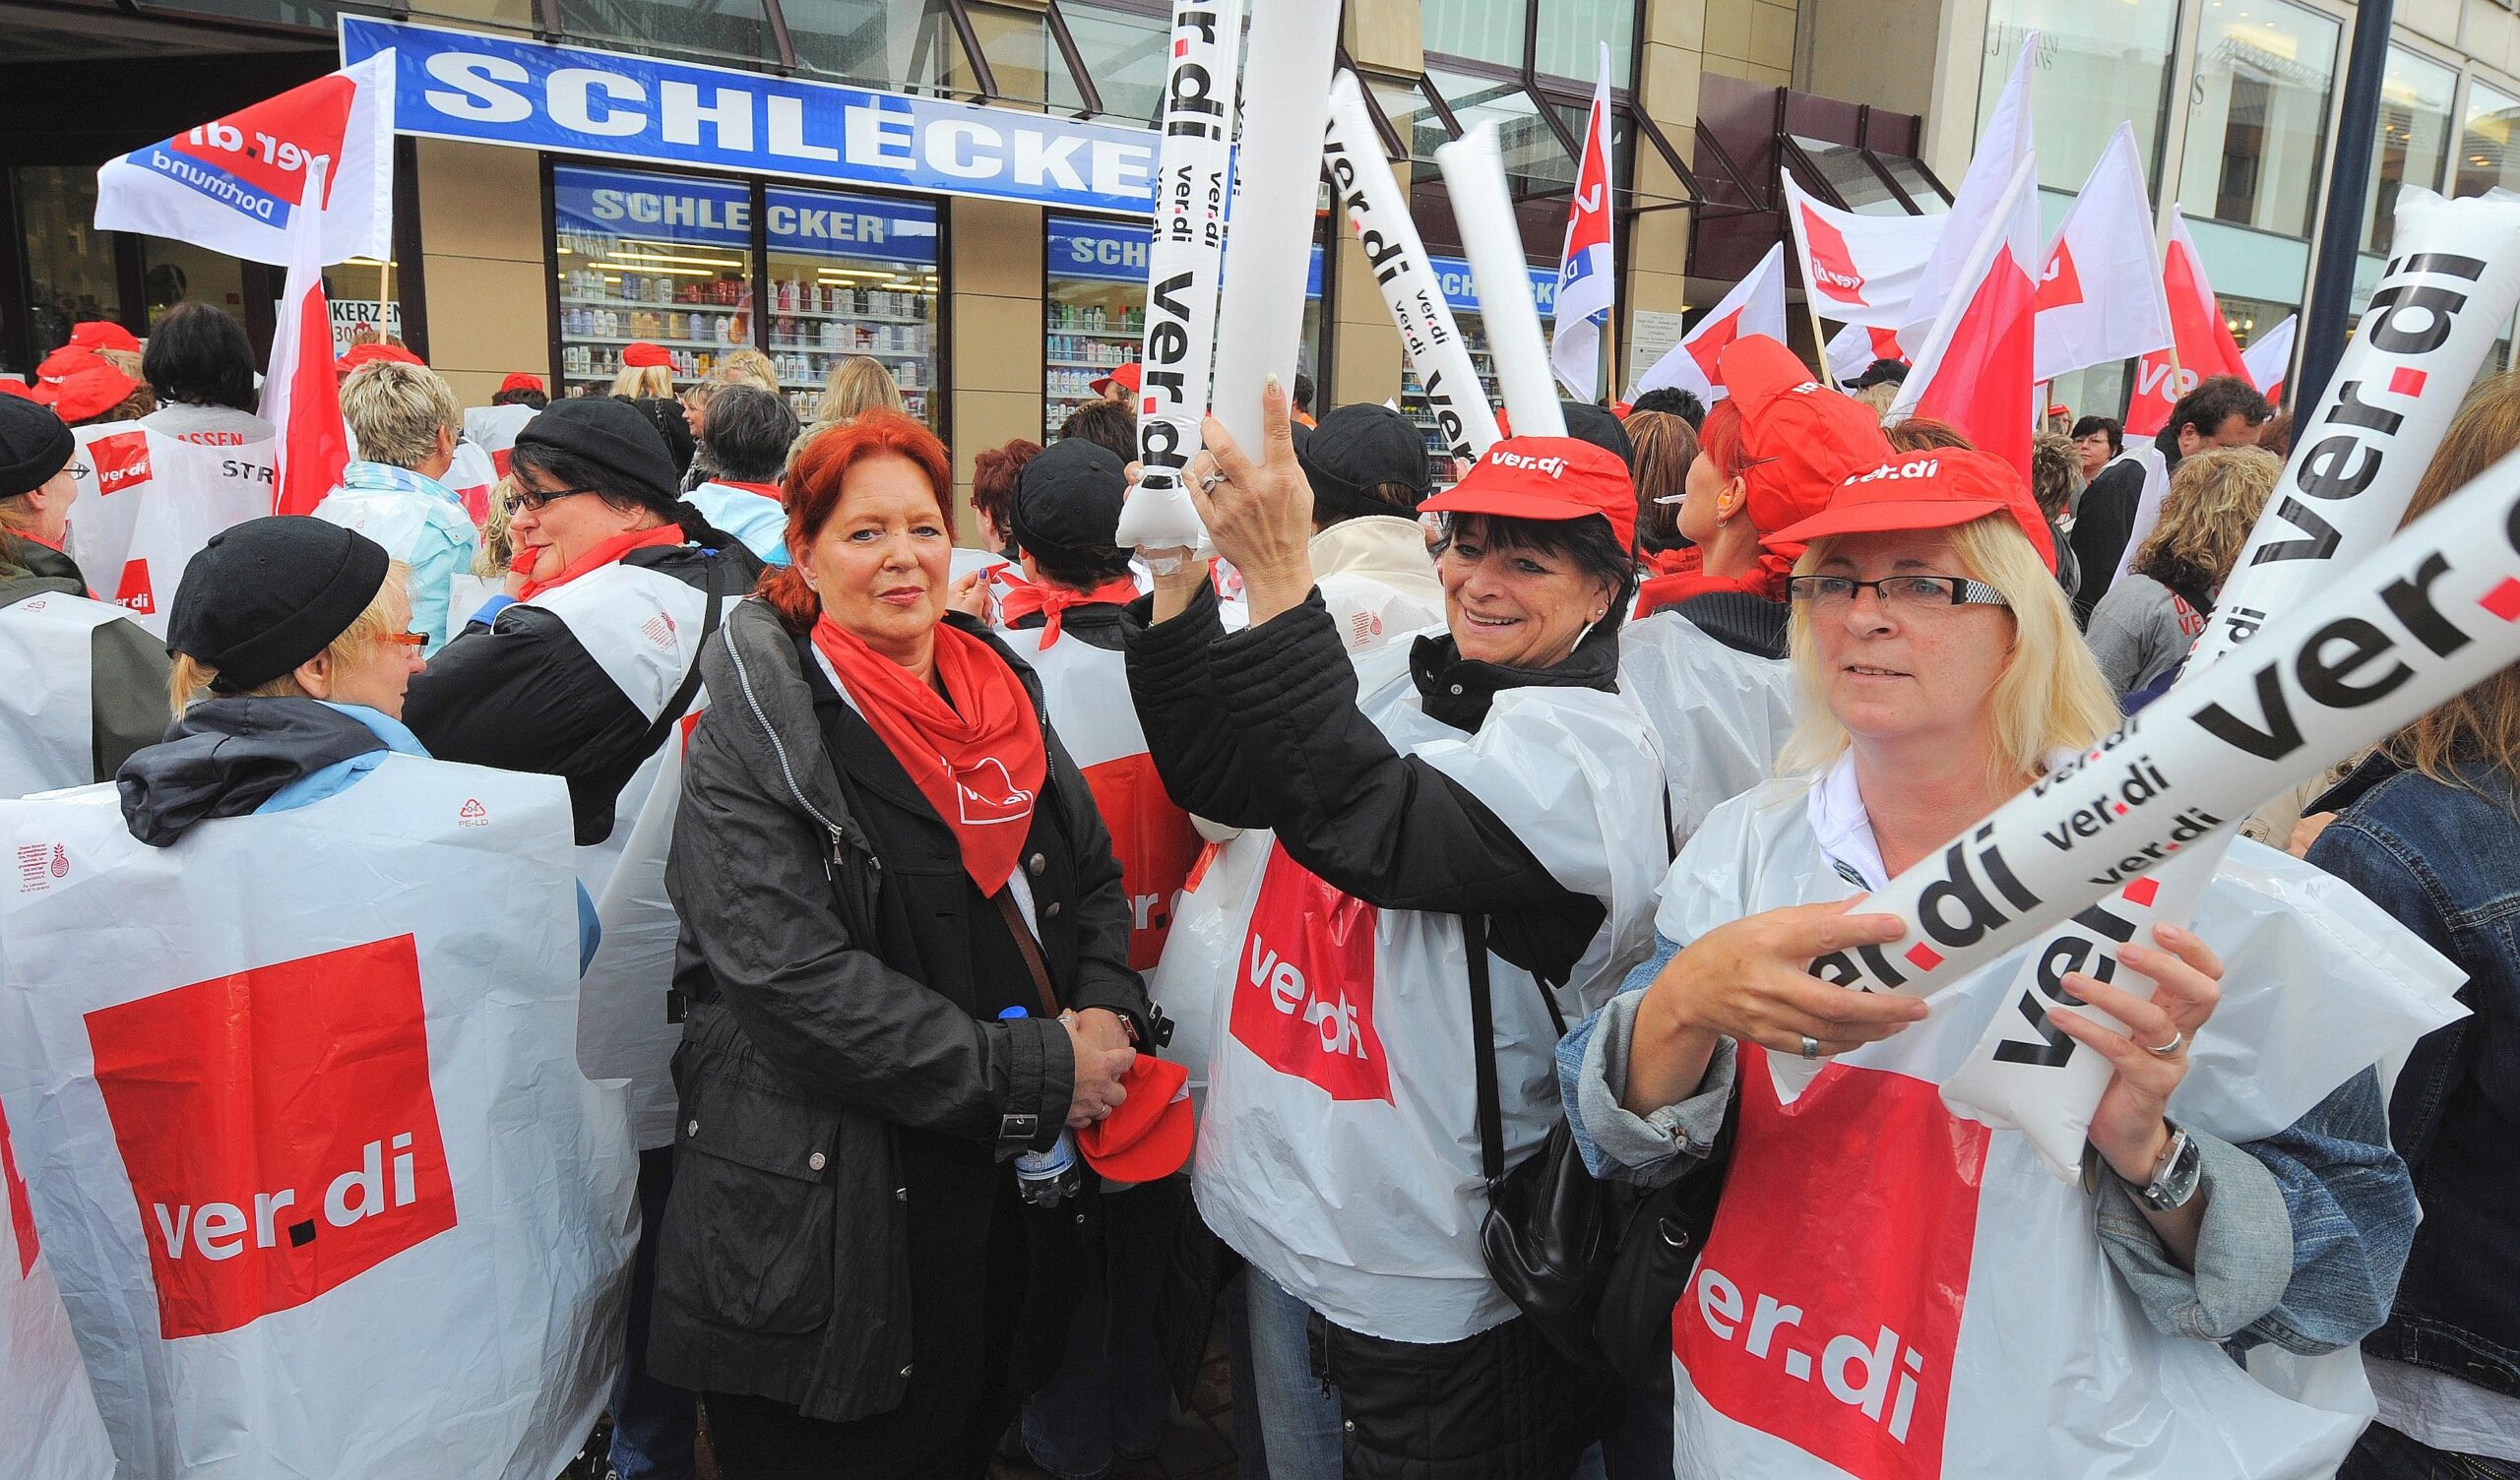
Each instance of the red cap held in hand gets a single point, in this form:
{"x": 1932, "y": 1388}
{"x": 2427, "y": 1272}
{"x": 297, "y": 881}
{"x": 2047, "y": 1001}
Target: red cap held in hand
{"x": 1546, "y": 478}
{"x": 1148, "y": 1137}
{"x": 1940, "y": 488}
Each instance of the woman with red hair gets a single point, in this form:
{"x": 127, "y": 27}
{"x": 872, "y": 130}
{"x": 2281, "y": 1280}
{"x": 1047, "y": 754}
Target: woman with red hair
{"x": 905, "y": 957}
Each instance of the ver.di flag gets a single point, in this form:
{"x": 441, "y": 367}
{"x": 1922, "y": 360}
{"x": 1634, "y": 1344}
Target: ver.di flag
{"x": 1859, "y": 269}
{"x": 1979, "y": 200}
{"x": 1756, "y": 305}
{"x": 2099, "y": 297}
{"x": 301, "y": 399}
{"x": 1587, "y": 276}
{"x": 1854, "y": 348}
{"x": 2206, "y": 347}
{"x": 1974, "y": 372}
{"x": 238, "y": 184}
{"x": 2269, "y": 360}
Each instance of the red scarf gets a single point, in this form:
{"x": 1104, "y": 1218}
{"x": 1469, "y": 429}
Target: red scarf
{"x": 769, "y": 491}
{"x": 601, "y": 556}
{"x": 980, "y": 773}
{"x": 1051, "y": 600}
{"x": 1765, "y": 580}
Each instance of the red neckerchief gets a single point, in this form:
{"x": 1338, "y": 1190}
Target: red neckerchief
{"x": 1765, "y": 580}
{"x": 1051, "y": 600}
{"x": 601, "y": 556}
{"x": 769, "y": 491}
{"x": 978, "y": 761}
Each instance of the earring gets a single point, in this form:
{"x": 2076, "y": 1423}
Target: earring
{"x": 1601, "y": 613}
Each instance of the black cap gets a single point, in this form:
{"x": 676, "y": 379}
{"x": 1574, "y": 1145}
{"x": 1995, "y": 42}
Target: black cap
{"x": 624, "y": 445}
{"x": 1358, "y": 445}
{"x": 35, "y": 444}
{"x": 1066, "y": 507}
{"x": 266, "y": 595}
{"x": 1599, "y": 426}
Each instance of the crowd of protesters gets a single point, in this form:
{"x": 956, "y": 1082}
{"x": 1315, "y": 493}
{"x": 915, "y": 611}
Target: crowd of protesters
{"x": 1434, "y": 818}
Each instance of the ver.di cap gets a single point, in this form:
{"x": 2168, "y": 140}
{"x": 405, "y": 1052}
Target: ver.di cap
{"x": 1939, "y": 488}
{"x": 1802, "y": 439}
{"x": 1546, "y": 478}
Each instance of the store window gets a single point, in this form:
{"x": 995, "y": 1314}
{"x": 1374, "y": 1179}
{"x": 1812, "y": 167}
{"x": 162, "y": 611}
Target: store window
{"x": 2414, "y": 138}
{"x": 177, "y": 271}
{"x": 2257, "y": 116}
{"x": 1483, "y": 30}
{"x": 70, "y": 263}
{"x": 1566, "y": 36}
{"x": 1093, "y": 310}
{"x": 1452, "y": 274}
{"x": 2487, "y": 156}
{"x": 851, "y": 274}
{"x": 661, "y": 258}
{"x": 2096, "y": 66}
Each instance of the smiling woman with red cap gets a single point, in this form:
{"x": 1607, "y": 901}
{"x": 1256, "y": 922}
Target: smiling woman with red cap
{"x": 1940, "y": 673}
{"x": 1473, "y": 813}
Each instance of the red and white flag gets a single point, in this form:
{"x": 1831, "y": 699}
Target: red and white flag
{"x": 2099, "y": 297}
{"x": 1587, "y": 276}
{"x": 2269, "y": 360}
{"x": 1859, "y": 269}
{"x": 1981, "y": 200}
{"x": 301, "y": 399}
{"x": 238, "y": 184}
{"x": 1974, "y": 371}
{"x": 2203, "y": 336}
{"x": 1855, "y": 346}
{"x": 1756, "y": 305}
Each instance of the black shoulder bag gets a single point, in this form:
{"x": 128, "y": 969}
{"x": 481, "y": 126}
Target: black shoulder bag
{"x": 1597, "y": 1265}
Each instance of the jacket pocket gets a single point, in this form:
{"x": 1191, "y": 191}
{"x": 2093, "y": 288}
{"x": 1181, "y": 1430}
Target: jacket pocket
{"x": 747, "y": 1239}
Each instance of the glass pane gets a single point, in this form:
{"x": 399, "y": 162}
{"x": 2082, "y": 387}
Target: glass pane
{"x": 1843, "y": 166}
{"x": 660, "y": 258}
{"x": 2486, "y": 155}
{"x": 1124, "y": 52}
{"x": 315, "y": 17}
{"x": 2414, "y": 132}
{"x": 1622, "y": 144}
{"x": 1536, "y": 164}
{"x": 70, "y": 264}
{"x": 2097, "y": 65}
{"x": 1483, "y": 30}
{"x": 2257, "y": 118}
{"x": 1912, "y": 178}
{"x": 173, "y": 271}
{"x": 851, "y": 274}
{"x": 887, "y": 44}
{"x": 730, "y": 28}
{"x": 1567, "y": 42}
{"x": 1021, "y": 54}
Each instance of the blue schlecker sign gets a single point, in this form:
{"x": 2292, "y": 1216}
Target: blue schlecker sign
{"x": 1115, "y": 252}
{"x": 718, "y": 214}
{"x": 495, "y": 90}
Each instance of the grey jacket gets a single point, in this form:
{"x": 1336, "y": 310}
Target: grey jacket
{"x": 781, "y": 1265}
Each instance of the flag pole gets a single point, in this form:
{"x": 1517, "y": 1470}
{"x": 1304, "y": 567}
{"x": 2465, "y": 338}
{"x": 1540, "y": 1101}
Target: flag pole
{"x": 1610, "y": 342}
{"x": 1828, "y": 375}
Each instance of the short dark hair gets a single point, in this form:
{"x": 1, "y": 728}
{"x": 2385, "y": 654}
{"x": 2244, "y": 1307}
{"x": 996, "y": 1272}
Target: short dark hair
{"x": 1303, "y": 392}
{"x": 1671, "y": 398}
{"x": 747, "y": 434}
{"x": 534, "y": 398}
{"x": 1112, "y": 425}
{"x": 2216, "y": 400}
{"x": 2116, "y": 430}
{"x": 199, "y": 355}
{"x": 1589, "y": 541}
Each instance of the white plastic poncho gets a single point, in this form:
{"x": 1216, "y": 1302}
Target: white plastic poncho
{"x": 49, "y": 1427}
{"x": 147, "y": 502}
{"x": 1719, "y": 715}
{"x": 1340, "y": 1150}
{"x": 314, "y": 1164}
{"x": 47, "y": 704}
{"x": 1891, "y": 1291}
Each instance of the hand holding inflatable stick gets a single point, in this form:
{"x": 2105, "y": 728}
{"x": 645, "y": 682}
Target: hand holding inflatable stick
{"x": 1259, "y": 512}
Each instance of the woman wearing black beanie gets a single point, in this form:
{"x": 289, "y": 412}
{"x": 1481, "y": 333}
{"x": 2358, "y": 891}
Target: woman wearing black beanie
{"x": 587, "y": 673}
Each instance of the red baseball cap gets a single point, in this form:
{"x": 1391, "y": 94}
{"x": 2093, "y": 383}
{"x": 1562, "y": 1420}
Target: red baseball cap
{"x": 645, "y": 356}
{"x": 1802, "y": 439}
{"x": 102, "y": 334}
{"x": 1939, "y": 488}
{"x": 520, "y": 381}
{"x": 86, "y": 392}
{"x": 1125, "y": 376}
{"x": 369, "y": 354}
{"x": 9, "y": 385}
{"x": 1546, "y": 478}
{"x": 1148, "y": 1137}
{"x": 58, "y": 365}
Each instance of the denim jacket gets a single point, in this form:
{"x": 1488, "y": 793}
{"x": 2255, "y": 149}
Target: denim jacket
{"x": 2445, "y": 861}
{"x": 2330, "y": 1177}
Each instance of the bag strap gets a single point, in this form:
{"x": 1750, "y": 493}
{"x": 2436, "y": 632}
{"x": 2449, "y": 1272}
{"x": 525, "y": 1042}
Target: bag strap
{"x": 1028, "y": 949}
{"x": 1483, "y": 1031}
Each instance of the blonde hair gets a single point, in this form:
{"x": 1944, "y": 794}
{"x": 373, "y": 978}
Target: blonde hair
{"x": 498, "y": 548}
{"x": 860, "y": 383}
{"x": 2216, "y": 494}
{"x": 748, "y": 367}
{"x": 1878, "y": 396}
{"x": 2050, "y": 697}
{"x": 191, "y": 679}
{"x": 2483, "y": 724}
{"x": 397, "y": 411}
{"x": 636, "y": 381}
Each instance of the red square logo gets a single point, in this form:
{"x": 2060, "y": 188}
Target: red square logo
{"x": 121, "y": 460}
{"x": 135, "y": 592}
{"x": 1304, "y": 1000}
{"x": 2142, "y": 892}
{"x": 2504, "y": 600}
{"x": 1825, "y": 1309}
{"x": 1923, "y": 956}
{"x": 2406, "y": 380}
{"x": 279, "y": 1129}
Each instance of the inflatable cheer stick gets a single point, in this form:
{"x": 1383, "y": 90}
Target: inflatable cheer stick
{"x": 1474, "y": 178}
{"x": 1378, "y": 213}
{"x": 2438, "y": 306}
{"x": 1277, "y": 180}
{"x": 1193, "y": 177}
{"x": 2423, "y": 619}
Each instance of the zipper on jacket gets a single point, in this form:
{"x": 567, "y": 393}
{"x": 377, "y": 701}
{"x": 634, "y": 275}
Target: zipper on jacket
{"x": 787, "y": 773}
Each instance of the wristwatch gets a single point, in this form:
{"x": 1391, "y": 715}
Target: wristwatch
{"x": 2176, "y": 1175}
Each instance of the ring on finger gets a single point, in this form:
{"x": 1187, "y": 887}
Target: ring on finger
{"x": 2178, "y": 1037}
{"x": 1810, "y": 1046}
{"x": 1214, "y": 477}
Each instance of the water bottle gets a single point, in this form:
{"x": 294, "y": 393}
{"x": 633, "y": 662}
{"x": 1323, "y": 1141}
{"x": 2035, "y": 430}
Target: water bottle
{"x": 1048, "y": 1178}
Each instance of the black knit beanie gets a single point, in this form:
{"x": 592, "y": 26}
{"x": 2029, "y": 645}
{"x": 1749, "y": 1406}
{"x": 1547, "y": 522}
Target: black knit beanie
{"x": 266, "y": 595}
{"x": 35, "y": 444}
{"x": 617, "y": 440}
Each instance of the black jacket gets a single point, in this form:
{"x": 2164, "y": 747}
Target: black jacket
{"x": 2102, "y": 521}
{"x": 522, "y": 694}
{"x": 1261, "y": 729}
{"x": 829, "y": 973}
{"x": 226, "y": 757}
